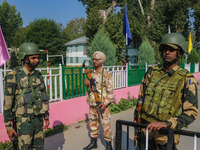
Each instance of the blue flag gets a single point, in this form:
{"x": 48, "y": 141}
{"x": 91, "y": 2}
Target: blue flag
{"x": 126, "y": 28}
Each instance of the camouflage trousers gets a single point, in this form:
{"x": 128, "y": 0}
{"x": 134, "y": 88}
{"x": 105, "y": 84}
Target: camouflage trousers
{"x": 94, "y": 120}
{"x": 30, "y": 133}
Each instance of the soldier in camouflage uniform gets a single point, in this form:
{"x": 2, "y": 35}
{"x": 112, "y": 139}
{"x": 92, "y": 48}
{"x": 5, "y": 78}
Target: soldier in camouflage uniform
{"x": 26, "y": 100}
{"x": 94, "y": 115}
{"x": 168, "y": 94}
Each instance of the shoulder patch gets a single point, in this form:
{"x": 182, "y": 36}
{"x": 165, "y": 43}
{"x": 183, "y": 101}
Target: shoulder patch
{"x": 189, "y": 75}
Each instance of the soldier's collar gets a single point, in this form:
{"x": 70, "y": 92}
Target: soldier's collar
{"x": 171, "y": 71}
{"x": 26, "y": 71}
{"x": 99, "y": 72}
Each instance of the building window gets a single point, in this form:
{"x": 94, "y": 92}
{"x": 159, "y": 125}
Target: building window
{"x": 76, "y": 48}
{"x": 70, "y": 49}
{"x": 76, "y": 59}
{"x": 71, "y": 60}
{"x": 84, "y": 50}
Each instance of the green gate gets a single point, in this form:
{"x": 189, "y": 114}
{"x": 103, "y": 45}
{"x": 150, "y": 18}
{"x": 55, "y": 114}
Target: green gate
{"x": 73, "y": 82}
{"x": 136, "y": 74}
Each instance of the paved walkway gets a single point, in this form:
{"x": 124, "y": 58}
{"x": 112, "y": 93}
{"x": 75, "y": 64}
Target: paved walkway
{"x": 77, "y": 135}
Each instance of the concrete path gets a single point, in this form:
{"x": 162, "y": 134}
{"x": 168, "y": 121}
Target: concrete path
{"x": 77, "y": 135}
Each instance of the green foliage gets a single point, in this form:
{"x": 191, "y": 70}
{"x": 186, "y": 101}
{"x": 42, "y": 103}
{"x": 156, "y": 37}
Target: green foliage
{"x": 123, "y": 104}
{"x": 113, "y": 24}
{"x": 74, "y": 29}
{"x": 146, "y": 53}
{"x": 182, "y": 60}
{"x": 193, "y": 57}
{"x": 10, "y": 21}
{"x": 102, "y": 42}
{"x": 20, "y": 37}
{"x": 13, "y": 61}
{"x": 7, "y": 145}
{"x": 46, "y": 33}
{"x": 93, "y": 23}
{"x": 56, "y": 129}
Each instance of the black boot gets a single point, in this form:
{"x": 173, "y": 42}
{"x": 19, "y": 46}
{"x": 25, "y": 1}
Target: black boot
{"x": 108, "y": 145}
{"x": 93, "y": 144}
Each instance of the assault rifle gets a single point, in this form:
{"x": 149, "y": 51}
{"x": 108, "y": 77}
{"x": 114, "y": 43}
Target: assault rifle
{"x": 138, "y": 130}
{"x": 94, "y": 90}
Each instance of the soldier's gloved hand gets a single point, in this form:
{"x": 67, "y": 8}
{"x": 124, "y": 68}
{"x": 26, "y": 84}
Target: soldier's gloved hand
{"x": 103, "y": 107}
{"x": 87, "y": 82}
{"x": 156, "y": 126}
{"x": 46, "y": 123}
{"x": 11, "y": 133}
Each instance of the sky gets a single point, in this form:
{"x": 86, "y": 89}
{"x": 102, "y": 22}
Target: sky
{"x": 62, "y": 11}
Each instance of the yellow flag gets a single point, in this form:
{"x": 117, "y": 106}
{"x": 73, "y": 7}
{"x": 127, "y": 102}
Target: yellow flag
{"x": 189, "y": 44}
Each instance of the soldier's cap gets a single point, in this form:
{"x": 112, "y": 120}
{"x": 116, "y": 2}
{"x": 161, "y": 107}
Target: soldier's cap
{"x": 100, "y": 55}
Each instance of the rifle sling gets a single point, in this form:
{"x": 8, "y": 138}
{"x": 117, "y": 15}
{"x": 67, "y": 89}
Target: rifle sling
{"x": 102, "y": 84}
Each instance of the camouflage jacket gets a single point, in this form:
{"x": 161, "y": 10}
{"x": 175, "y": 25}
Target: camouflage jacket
{"x": 24, "y": 95}
{"x": 185, "y": 92}
{"x": 107, "y": 87}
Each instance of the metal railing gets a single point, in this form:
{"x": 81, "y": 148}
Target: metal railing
{"x": 53, "y": 82}
{"x": 170, "y": 132}
{"x": 73, "y": 80}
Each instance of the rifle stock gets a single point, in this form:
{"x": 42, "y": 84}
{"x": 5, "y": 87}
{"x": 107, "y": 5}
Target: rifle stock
{"x": 94, "y": 90}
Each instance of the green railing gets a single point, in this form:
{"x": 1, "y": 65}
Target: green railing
{"x": 73, "y": 82}
{"x": 135, "y": 74}
{"x": 192, "y": 68}
{"x": 182, "y": 66}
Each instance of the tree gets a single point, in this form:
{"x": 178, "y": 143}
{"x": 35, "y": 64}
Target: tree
{"x": 74, "y": 29}
{"x": 146, "y": 53}
{"x": 46, "y": 33}
{"x": 20, "y": 37}
{"x": 194, "y": 56}
{"x": 10, "y": 21}
{"x": 102, "y": 42}
{"x": 148, "y": 18}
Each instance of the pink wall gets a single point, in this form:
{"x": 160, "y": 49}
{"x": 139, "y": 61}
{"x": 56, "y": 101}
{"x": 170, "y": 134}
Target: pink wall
{"x": 76, "y": 109}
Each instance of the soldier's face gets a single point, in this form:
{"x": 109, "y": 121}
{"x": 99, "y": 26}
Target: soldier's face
{"x": 96, "y": 62}
{"x": 169, "y": 54}
{"x": 34, "y": 60}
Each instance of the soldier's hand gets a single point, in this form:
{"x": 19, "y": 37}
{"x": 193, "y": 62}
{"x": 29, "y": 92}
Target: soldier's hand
{"x": 11, "y": 133}
{"x": 156, "y": 126}
{"x": 46, "y": 123}
{"x": 87, "y": 82}
{"x": 103, "y": 107}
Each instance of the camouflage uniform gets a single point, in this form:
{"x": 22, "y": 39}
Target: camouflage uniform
{"x": 26, "y": 96}
{"x": 172, "y": 99}
{"x": 94, "y": 115}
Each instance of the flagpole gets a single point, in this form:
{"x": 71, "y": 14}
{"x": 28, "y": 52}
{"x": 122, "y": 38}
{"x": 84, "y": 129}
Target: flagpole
{"x": 126, "y": 49}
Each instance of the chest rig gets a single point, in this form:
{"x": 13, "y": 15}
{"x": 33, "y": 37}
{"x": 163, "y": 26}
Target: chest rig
{"x": 30, "y": 95}
{"x": 163, "y": 95}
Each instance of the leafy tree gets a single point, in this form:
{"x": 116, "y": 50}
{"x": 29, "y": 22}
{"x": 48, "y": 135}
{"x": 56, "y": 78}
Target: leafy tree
{"x": 113, "y": 24}
{"x": 196, "y": 16}
{"x": 10, "y": 21}
{"x": 182, "y": 60}
{"x": 146, "y": 53}
{"x": 102, "y": 42}
{"x": 74, "y": 29}
{"x": 194, "y": 56}
{"x": 147, "y": 18}
{"x": 46, "y": 33}
{"x": 20, "y": 37}
{"x": 93, "y": 22}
